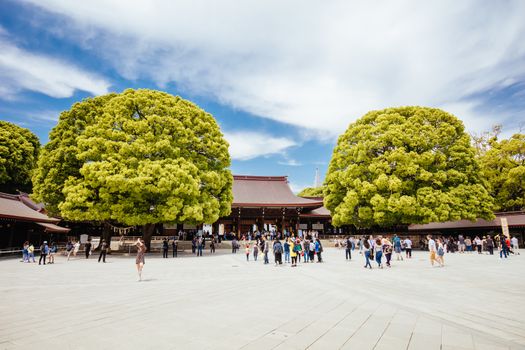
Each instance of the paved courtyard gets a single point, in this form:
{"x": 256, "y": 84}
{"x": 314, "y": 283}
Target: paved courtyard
{"x": 223, "y": 302}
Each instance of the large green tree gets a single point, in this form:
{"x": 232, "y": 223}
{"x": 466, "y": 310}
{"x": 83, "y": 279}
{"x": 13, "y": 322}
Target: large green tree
{"x": 311, "y": 192}
{"x": 405, "y": 165}
{"x": 19, "y": 149}
{"x": 503, "y": 164}
{"x": 138, "y": 158}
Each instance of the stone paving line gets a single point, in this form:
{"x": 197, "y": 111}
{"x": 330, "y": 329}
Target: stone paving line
{"x": 223, "y": 302}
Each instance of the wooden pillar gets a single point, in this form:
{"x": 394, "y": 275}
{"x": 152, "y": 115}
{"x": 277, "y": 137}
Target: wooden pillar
{"x": 283, "y": 222}
{"x": 239, "y": 222}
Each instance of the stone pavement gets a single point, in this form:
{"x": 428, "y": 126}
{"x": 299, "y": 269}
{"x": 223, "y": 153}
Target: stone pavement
{"x": 223, "y": 302}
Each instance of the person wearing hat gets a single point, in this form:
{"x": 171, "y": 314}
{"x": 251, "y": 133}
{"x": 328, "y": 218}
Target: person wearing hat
{"x": 44, "y": 250}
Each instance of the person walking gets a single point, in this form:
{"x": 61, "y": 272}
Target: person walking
{"x": 468, "y": 244}
{"x": 378, "y": 252}
{"x": 165, "y": 248}
{"x": 255, "y": 251}
{"x": 515, "y": 245}
{"x": 318, "y": 250}
{"x": 25, "y": 253}
{"x": 103, "y": 251}
{"x": 31, "y": 253}
{"x": 44, "y": 250}
{"x": 88, "y": 248}
{"x": 388, "y": 248}
{"x": 366, "y": 248}
{"x": 266, "y": 250}
{"x": 212, "y": 246}
{"x": 140, "y": 259}
{"x": 286, "y": 247}
{"x": 461, "y": 244}
{"x": 397, "y": 247}
{"x": 408, "y": 248}
{"x": 440, "y": 252}
{"x": 52, "y": 252}
{"x": 278, "y": 252}
{"x": 432, "y": 249}
{"x": 69, "y": 249}
{"x": 478, "y": 243}
{"x": 174, "y": 246}
{"x": 235, "y": 245}
{"x": 306, "y": 247}
{"x": 294, "y": 249}
{"x": 247, "y": 250}
{"x": 348, "y": 250}
{"x": 193, "y": 245}
{"x": 76, "y": 248}
{"x": 200, "y": 245}
{"x": 490, "y": 245}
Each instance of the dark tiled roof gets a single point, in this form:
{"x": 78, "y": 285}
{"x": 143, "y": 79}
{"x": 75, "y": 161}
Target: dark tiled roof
{"x": 514, "y": 219}
{"x": 319, "y": 212}
{"x": 12, "y": 207}
{"x": 267, "y": 191}
{"x": 54, "y": 228}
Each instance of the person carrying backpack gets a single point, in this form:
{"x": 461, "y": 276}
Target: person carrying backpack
{"x": 318, "y": 250}
{"x": 286, "y": 247}
{"x": 277, "y": 252}
{"x": 348, "y": 249}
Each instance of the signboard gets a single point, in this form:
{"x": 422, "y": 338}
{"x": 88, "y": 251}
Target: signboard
{"x": 317, "y": 226}
{"x": 303, "y": 226}
{"x": 83, "y": 238}
{"x": 221, "y": 229}
{"x": 505, "y": 226}
{"x": 207, "y": 228}
{"x": 189, "y": 227}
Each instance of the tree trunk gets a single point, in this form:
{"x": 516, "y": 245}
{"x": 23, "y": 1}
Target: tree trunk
{"x": 107, "y": 233}
{"x": 148, "y": 231}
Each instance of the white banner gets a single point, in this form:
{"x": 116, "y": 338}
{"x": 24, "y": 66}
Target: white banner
{"x": 303, "y": 226}
{"x": 318, "y": 226}
{"x": 505, "y": 226}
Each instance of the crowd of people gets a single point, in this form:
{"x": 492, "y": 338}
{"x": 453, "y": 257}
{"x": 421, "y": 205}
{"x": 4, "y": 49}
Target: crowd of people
{"x": 303, "y": 248}
{"x": 294, "y": 249}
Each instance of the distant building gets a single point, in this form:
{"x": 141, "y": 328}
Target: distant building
{"x": 22, "y": 219}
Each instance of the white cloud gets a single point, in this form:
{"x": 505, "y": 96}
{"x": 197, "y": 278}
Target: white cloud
{"x": 319, "y": 65}
{"x": 289, "y": 162}
{"x": 245, "y": 145}
{"x": 23, "y": 70}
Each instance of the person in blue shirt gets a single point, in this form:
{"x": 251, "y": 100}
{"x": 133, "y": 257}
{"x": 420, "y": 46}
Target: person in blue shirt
{"x": 396, "y": 241}
{"x": 52, "y": 252}
{"x": 318, "y": 250}
{"x": 286, "y": 251}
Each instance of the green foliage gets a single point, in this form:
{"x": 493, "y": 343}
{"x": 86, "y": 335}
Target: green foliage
{"x": 140, "y": 157}
{"x": 19, "y": 149}
{"x": 503, "y": 166}
{"x": 405, "y": 165}
{"x": 311, "y": 192}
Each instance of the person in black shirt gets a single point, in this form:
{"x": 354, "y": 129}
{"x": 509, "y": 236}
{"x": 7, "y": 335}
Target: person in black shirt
{"x": 103, "y": 251}
{"x": 88, "y": 249}
{"x": 165, "y": 248}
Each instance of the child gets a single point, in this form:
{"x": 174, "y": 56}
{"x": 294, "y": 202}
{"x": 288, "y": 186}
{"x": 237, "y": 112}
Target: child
{"x": 247, "y": 252}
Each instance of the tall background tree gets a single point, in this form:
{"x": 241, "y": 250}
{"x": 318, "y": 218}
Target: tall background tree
{"x": 405, "y": 165}
{"x": 503, "y": 165}
{"x": 311, "y": 192}
{"x": 138, "y": 158}
{"x": 19, "y": 149}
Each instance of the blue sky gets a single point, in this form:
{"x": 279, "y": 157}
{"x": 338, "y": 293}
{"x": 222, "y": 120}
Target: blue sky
{"x": 283, "y": 79}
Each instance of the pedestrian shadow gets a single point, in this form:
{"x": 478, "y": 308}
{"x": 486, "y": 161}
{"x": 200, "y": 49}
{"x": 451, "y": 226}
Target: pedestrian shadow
{"x": 149, "y": 279}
